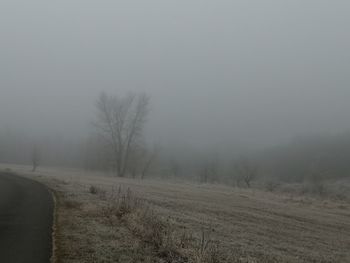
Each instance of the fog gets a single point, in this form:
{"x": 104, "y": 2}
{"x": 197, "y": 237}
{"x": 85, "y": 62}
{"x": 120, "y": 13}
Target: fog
{"x": 219, "y": 73}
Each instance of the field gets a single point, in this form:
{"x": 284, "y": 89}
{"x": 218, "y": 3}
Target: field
{"x": 224, "y": 223}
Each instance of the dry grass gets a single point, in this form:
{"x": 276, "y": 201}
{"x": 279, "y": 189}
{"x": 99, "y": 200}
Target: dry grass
{"x": 200, "y": 223}
{"x": 156, "y": 232}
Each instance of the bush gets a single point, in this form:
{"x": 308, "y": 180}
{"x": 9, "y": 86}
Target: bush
{"x": 97, "y": 191}
{"x": 170, "y": 244}
{"x": 271, "y": 186}
{"x": 93, "y": 190}
{"x": 122, "y": 203}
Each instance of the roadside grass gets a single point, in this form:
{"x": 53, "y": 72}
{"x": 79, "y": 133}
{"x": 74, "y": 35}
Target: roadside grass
{"x": 120, "y": 226}
{"x": 167, "y": 243}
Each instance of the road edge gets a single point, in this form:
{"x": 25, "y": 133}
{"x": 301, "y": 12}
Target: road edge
{"x": 54, "y": 251}
{"x": 54, "y": 228}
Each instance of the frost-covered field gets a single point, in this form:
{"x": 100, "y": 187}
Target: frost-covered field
{"x": 245, "y": 225}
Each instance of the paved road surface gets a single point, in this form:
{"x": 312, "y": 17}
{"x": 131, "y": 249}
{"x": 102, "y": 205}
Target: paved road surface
{"x": 26, "y": 214}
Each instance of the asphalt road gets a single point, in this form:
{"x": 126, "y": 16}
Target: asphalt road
{"x": 26, "y": 215}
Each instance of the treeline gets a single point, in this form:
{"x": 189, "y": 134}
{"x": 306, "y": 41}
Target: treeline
{"x": 117, "y": 146}
{"x": 17, "y": 147}
{"x": 304, "y": 159}
{"x": 309, "y": 158}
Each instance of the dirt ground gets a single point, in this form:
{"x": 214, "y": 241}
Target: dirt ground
{"x": 248, "y": 225}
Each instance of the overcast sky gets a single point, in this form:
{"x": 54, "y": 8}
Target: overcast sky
{"x": 254, "y": 71}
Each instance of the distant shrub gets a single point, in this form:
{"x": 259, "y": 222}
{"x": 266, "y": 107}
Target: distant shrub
{"x": 121, "y": 203}
{"x": 333, "y": 190}
{"x": 271, "y": 186}
{"x": 318, "y": 188}
{"x": 97, "y": 191}
{"x": 93, "y": 190}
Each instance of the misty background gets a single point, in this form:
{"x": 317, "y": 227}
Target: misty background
{"x": 268, "y": 79}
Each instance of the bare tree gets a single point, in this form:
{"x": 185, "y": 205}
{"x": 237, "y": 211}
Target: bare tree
{"x": 120, "y": 122}
{"x": 175, "y": 168}
{"x": 141, "y": 161}
{"x": 245, "y": 170}
{"x": 209, "y": 169}
{"x": 149, "y": 161}
{"x": 317, "y": 175}
{"x": 136, "y": 158}
{"x": 35, "y": 156}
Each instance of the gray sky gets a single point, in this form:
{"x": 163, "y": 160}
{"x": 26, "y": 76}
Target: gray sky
{"x": 217, "y": 71}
